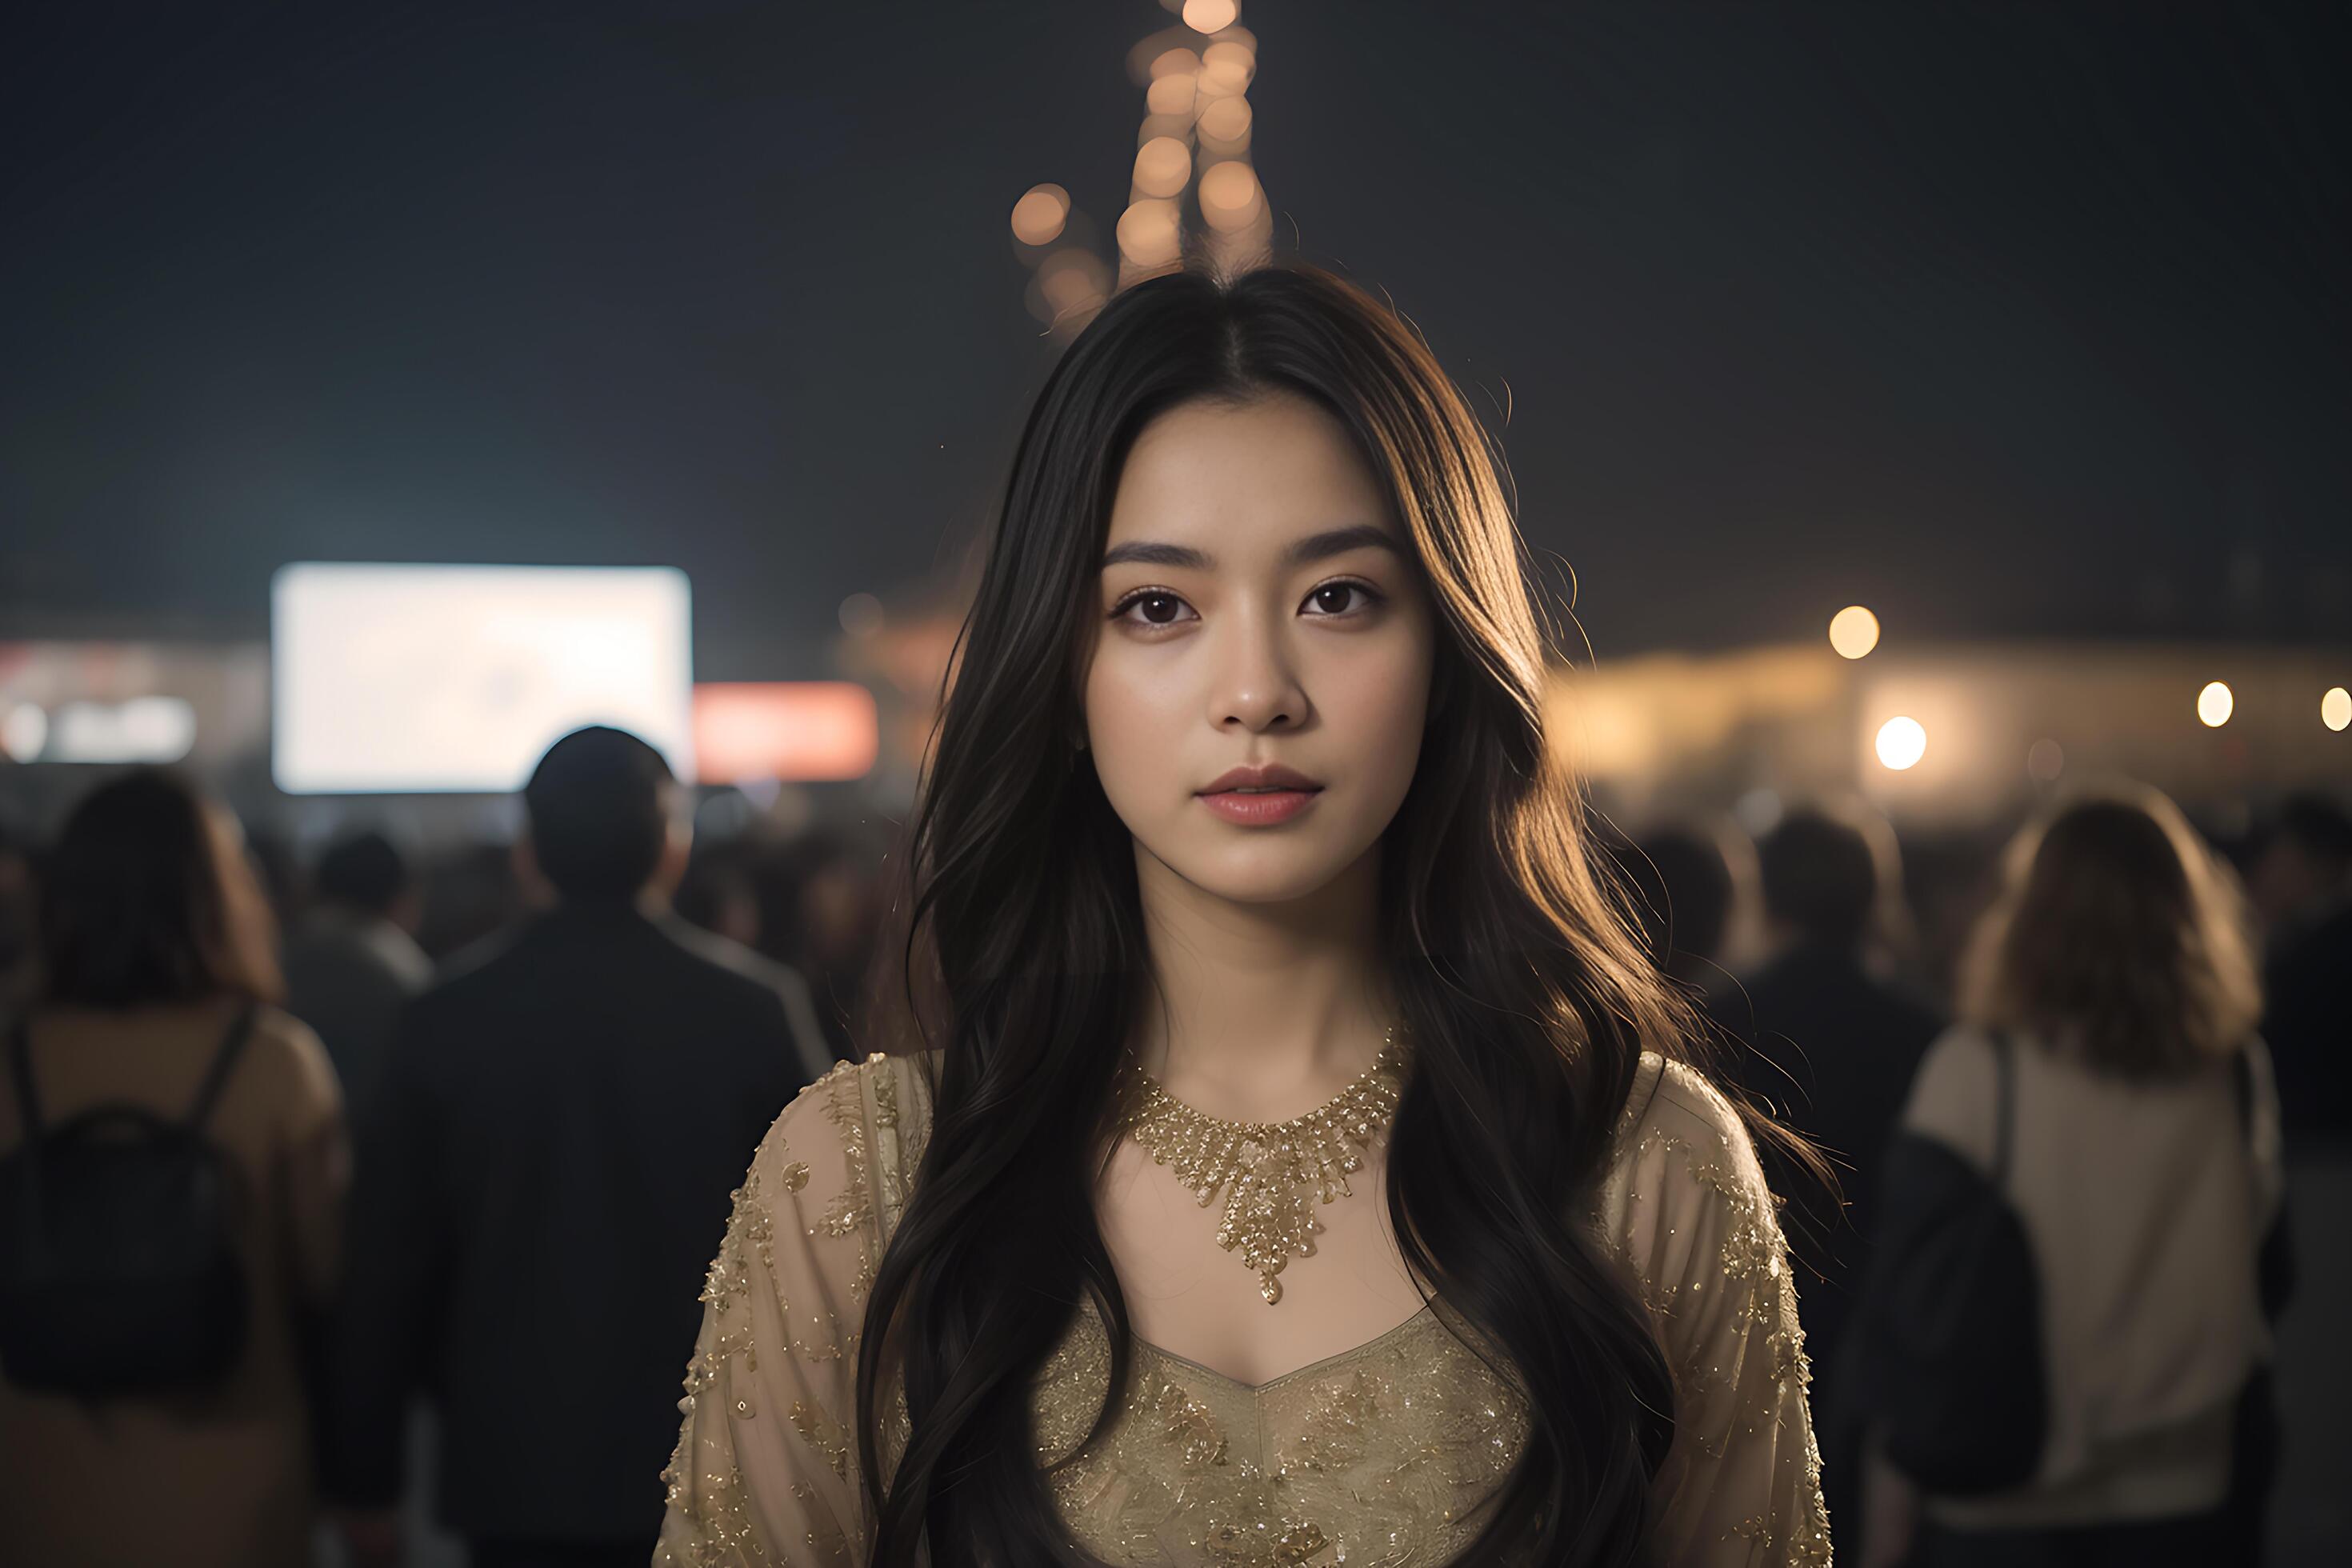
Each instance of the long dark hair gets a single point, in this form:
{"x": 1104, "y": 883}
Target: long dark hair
{"x": 147, "y": 898}
{"x": 1023, "y": 954}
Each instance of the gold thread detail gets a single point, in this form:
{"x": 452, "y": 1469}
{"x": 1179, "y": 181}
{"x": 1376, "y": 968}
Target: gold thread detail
{"x": 1268, "y": 1171}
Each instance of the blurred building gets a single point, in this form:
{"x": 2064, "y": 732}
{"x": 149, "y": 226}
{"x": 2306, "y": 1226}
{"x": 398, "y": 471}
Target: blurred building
{"x": 1952, "y": 736}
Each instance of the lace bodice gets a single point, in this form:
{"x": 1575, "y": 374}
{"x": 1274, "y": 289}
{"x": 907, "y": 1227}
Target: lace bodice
{"x": 1384, "y": 1455}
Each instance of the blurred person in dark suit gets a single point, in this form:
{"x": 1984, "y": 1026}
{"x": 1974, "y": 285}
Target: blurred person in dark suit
{"x": 2301, "y": 882}
{"x": 1689, "y": 884}
{"x": 158, "y": 976}
{"x": 1827, "y": 1040}
{"x": 352, "y": 962}
{"x": 1826, "y": 1035}
{"x": 560, "y": 1123}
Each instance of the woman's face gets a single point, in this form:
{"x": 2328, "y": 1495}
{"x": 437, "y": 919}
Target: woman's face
{"x": 1259, "y": 605}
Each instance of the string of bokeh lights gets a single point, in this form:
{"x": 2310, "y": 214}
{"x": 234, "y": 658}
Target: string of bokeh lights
{"x": 1902, "y": 741}
{"x": 1191, "y": 155}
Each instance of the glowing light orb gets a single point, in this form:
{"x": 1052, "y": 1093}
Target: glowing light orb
{"x": 1226, "y": 119}
{"x": 1162, "y": 166}
{"x": 1170, "y": 94}
{"x": 2214, "y": 705}
{"x": 1854, "y": 631}
{"x": 1902, "y": 742}
{"x": 1227, "y": 67}
{"x": 1040, "y": 213}
{"x": 1229, "y": 195}
{"x": 1149, "y": 234}
{"x": 1210, "y": 16}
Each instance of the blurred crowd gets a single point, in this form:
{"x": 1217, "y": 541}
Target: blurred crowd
{"x": 2122, "y": 1029}
{"x": 456, "y": 1132}
{"x": 397, "y": 1176}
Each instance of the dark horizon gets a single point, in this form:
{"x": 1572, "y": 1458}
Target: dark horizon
{"x": 2004, "y": 322}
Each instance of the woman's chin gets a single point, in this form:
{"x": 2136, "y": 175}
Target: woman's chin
{"x": 1261, "y": 874}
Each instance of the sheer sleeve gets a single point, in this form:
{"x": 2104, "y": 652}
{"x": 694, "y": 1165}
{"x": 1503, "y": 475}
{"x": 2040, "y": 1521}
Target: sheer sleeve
{"x": 1692, "y": 1216}
{"x": 765, "y": 1471}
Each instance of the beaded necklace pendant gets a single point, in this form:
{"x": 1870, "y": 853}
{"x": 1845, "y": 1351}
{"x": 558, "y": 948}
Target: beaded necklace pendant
{"x": 1274, "y": 1170}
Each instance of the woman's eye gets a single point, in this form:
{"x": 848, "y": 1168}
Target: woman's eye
{"x": 1333, "y": 598}
{"x": 1158, "y": 609}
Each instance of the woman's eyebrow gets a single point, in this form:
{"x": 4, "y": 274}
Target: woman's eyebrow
{"x": 1313, "y": 547}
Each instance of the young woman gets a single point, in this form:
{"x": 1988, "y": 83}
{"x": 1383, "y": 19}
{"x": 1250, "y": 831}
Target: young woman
{"x": 2145, "y": 1168}
{"x": 1294, "y": 1163}
{"x": 156, "y": 948}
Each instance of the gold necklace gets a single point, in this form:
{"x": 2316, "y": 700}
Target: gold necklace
{"x": 1272, "y": 1167}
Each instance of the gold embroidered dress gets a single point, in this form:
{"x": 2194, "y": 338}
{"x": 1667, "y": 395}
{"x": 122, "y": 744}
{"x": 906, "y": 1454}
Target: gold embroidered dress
{"x": 1384, "y": 1456}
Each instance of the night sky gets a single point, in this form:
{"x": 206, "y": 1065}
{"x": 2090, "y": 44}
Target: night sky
{"x": 2016, "y": 320}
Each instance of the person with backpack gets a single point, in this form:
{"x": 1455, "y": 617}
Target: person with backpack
{"x": 172, "y": 1159}
{"x": 2065, "y": 1340}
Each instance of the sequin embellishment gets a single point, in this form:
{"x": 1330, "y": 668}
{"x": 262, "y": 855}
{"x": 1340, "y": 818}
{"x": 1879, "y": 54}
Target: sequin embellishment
{"x": 1274, "y": 1170}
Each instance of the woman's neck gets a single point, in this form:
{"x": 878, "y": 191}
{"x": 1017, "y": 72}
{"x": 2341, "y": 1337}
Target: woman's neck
{"x": 1261, "y": 1011}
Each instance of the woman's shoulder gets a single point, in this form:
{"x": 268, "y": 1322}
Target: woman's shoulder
{"x": 293, "y": 1050}
{"x": 1675, "y": 1104}
{"x": 285, "y": 1039}
{"x": 1962, "y": 1053}
{"x": 283, "y": 1075}
{"x": 824, "y": 1116}
{"x": 850, "y": 1139}
{"x": 1682, "y": 1162}
{"x": 1954, "y": 1092}
{"x": 878, "y": 1090}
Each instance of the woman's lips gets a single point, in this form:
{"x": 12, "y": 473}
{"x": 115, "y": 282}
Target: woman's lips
{"x": 1259, "y": 810}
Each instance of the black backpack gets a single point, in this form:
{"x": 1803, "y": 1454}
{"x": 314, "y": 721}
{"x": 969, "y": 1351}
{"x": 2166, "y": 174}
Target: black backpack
{"x": 1950, "y": 1363}
{"x": 119, "y": 1273}
{"x": 1948, "y": 1360}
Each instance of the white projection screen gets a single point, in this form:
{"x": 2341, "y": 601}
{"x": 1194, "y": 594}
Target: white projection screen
{"x": 398, "y": 679}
